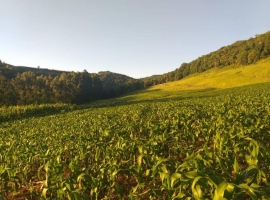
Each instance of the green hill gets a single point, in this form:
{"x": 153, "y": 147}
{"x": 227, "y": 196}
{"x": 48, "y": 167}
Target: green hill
{"x": 240, "y": 53}
{"x": 212, "y": 79}
{"x": 26, "y": 85}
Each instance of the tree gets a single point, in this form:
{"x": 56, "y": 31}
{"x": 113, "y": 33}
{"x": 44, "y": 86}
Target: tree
{"x": 253, "y": 56}
{"x": 242, "y": 58}
{"x": 25, "y": 86}
{"x": 7, "y": 93}
{"x": 97, "y": 87}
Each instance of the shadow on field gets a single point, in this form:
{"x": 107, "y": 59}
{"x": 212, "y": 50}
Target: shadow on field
{"x": 149, "y": 96}
{"x": 154, "y": 98}
{"x": 166, "y": 96}
{"x": 35, "y": 113}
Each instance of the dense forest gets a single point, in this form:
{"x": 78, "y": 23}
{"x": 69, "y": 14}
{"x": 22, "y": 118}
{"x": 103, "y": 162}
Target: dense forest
{"x": 20, "y": 87}
{"x": 25, "y": 85}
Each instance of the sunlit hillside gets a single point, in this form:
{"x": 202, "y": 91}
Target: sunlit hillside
{"x": 226, "y": 77}
{"x": 213, "y": 79}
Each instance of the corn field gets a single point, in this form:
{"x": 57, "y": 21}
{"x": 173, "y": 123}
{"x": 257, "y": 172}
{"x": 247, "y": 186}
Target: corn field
{"x": 196, "y": 148}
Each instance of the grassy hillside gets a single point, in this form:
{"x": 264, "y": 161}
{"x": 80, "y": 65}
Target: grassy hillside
{"x": 213, "y": 79}
{"x": 226, "y": 77}
{"x": 240, "y": 53}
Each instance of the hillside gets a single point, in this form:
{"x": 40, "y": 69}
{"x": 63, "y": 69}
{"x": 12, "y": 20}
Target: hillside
{"x": 212, "y": 79}
{"x": 240, "y": 53}
{"x": 26, "y": 85}
{"x": 109, "y": 78}
{"x": 226, "y": 77}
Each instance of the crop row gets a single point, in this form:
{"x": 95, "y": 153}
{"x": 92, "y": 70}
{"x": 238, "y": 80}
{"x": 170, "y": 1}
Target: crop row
{"x": 199, "y": 148}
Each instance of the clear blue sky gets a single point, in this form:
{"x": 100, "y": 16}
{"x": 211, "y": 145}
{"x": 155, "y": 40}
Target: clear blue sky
{"x": 137, "y": 38}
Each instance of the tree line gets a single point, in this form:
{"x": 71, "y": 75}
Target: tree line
{"x": 69, "y": 87}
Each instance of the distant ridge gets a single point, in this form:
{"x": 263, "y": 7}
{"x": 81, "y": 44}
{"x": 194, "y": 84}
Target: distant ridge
{"x": 38, "y": 70}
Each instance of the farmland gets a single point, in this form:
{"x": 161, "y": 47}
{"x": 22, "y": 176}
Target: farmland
{"x": 211, "y": 144}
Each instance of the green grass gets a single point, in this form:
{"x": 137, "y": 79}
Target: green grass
{"x": 213, "y": 79}
{"x": 227, "y": 77}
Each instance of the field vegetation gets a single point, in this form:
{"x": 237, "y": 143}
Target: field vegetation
{"x": 204, "y": 136}
{"x": 205, "y": 144}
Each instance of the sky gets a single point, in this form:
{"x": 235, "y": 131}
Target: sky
{"x": 138, "y": 38}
